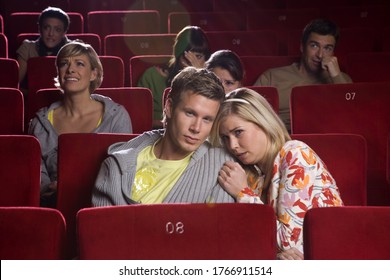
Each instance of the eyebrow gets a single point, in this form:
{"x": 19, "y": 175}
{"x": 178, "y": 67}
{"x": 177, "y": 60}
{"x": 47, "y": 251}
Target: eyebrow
{"x": 318, "y": 43}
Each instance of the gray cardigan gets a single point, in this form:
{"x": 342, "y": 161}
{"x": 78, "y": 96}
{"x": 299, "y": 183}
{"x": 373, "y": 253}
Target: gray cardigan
{"x": 115, "y": 120}
{"x": 197, "y": 184}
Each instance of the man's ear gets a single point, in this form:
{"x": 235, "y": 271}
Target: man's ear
{"x": 301, "y": 48}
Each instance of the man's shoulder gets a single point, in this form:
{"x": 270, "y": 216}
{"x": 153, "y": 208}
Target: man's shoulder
{"x": 207, "y": 150}
{"x": 281, "y": 69}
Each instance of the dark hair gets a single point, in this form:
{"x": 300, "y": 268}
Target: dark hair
{"x": 53, "y": 12}
{"x": 322, "y": 27}
{"x": 190, "y": 38}
{"x": 228, "y": 60}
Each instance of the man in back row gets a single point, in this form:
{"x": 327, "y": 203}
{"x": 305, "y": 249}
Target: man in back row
{"x": 173, "y": 165}
{"x": 317, "y": 65}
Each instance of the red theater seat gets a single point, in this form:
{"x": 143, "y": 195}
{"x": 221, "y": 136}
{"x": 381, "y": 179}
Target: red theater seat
{"x": 126, "y": 46}
{"x": 357, "y": 108}
{"x": 269, "y": 93}
{"x": 178, "y": 231}
{"x": 76, "y": 181}
{"x": 114, "y": 71}
{"x": 11, "y": 111}
{"x": 345, "y": 155}
{"x": 208, "y": 21}
{"x": 244, "y": 43}
{"x": 38, "y": 79}
{"x": 137, "y": 101}
{"x": 166, "y": 7}
{"x": 9, "y": 69}
{"x": 256, "y": 65}
{"x": 347, "y": 233}
{"x": 20, "y": 157}
{"x": 369, "y": 67}
{"x": 31, "y": 233}
{"x": 123, "y": 22}
{"x": 3, "y": 46}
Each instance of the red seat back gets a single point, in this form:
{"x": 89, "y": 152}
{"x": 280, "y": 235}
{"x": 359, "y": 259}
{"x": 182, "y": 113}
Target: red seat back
{"x": 369, "y": 67}
{"x": 345, "y": 155}
{"x": 178, "y": 231}
{"x": 31, "y": 233}
{"x": 20, "y": 157}
{"x": 126, "y": 46}
{"x": 123, "y": 22}
{"x": 38, "y": 79}
{"x": 11, "y": 111}
{"x": 255, "y": 65}
{"x": 358, "y": 108}
{"x": 208, "y": 21}
{"x": 114, "y": 71}
{"x": 76, "y": 181}
{"x": 3, "y": 46}
{"x": 347, "y": 233}
{"x": 269, "y": 93}
{"x": 137, "y": 101}
{"x": 260, "y": 42}
{"x": 9, "y": 69}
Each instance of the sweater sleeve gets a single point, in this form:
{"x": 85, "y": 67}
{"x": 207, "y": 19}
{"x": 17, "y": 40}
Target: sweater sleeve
{"x": 108, "y": 188}
{"x": 300, "y": 182}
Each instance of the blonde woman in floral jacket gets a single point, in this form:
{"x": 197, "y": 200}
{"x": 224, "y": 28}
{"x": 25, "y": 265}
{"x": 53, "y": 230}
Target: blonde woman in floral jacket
{"x": 284, "y": 173}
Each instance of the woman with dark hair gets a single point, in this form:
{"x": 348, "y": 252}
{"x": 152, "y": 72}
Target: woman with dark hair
{"x": 228, "y": 67}
{"x": 191, "y": 48}
{"x": 53, "y": 24}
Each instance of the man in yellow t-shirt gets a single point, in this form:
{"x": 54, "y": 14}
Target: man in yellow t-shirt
{"x": 172, "y": 165}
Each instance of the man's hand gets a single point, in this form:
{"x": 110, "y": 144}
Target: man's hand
{"x": 331, "y": 65}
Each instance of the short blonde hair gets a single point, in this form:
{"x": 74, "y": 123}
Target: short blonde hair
{"x": 76, "y": 48}
{"x": 252, "y": 107}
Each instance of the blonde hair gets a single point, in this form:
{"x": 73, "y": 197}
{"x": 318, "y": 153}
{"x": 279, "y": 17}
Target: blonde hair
{"x": 252, "y": 107}
{"x": 76, "y": 48}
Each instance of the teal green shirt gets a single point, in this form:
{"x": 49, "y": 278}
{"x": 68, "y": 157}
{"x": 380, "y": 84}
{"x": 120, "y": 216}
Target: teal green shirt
{"x": 157, "y": 83}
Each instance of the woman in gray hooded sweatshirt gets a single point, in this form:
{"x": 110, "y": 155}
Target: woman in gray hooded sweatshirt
{"x": 79, "y": 74}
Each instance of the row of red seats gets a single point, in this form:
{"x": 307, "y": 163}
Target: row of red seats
{"x": 147, "y": 21}
{"x": 16, "y": 111}
{"x": 259, "y": 42}
{"x": 165, "y": 6}
{"x": 172, "y": 231}
{"x": 126, "y": 71}
{"x": 342, "y": 152}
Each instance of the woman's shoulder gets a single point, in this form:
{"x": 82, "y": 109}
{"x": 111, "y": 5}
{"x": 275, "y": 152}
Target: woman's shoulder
{"x": 294, "y": 147}
{"x": 28, "y": 46}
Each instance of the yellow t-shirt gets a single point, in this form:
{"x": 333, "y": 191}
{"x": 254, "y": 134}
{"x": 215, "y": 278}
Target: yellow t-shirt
{"x": 155, "y": 177}
{"x": 51, "y": 118}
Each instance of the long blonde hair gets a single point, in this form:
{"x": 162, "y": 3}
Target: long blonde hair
{"x": 251, "y": 106}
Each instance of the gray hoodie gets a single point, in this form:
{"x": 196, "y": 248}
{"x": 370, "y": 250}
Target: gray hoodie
{"x": 115, "y": 120}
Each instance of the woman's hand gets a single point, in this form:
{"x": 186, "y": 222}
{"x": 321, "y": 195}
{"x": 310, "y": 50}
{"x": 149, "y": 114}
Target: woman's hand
{"x": 232, "y": 178}
{"x": 290, "y": 254}
{"x": 194, "y": 59}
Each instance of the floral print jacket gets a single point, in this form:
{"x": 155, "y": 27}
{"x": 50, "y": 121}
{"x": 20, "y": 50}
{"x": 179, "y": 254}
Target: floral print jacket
{"x": 300, "y": 181}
